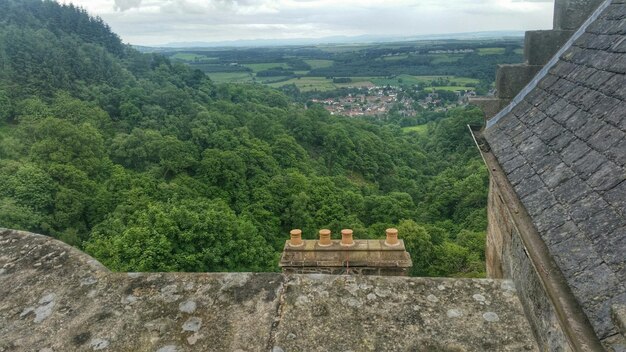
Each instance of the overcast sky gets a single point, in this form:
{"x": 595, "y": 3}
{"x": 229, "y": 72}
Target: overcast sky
{"x": 151, "y": 22}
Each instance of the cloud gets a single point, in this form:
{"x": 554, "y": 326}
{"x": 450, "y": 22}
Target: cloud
{"x": 152, "y": 22}
{"x": 123, "y": 5}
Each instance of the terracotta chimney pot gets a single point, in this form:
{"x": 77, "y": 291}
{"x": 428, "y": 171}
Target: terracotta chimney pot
{"x": 324, "y": 238}
{"x": 392, "y": 237}
{"x": 296, "y": 238}
{"x": 346, "y": 237}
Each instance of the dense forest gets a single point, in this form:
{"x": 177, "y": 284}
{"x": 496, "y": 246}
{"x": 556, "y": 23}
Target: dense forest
{"x": 149, "y": 166}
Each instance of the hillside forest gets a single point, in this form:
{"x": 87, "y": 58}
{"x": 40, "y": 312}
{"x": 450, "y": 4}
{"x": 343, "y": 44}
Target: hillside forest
{"x": 148, "y": 165}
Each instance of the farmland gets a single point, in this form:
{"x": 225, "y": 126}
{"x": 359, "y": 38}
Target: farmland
{"x": 265, "y": 66}
{"x": 452, "y": 65}
{"x": 490, "y": 51}
{"x": 319, "y": 63}
{"x": 307, "y": 84}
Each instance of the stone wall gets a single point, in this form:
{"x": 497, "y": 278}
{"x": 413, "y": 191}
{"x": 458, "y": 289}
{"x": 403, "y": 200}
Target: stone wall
{"x": 507, "y": 258}
{"x": 54, "y": 298}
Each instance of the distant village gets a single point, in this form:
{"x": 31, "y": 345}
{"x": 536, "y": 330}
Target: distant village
{"x": 380, "y": 100}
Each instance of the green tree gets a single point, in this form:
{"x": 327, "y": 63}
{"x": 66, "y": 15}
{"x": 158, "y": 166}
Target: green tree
{"x": 419, "y": 244}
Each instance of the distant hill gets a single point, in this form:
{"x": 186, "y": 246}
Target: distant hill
{"x": 45, "y": 46}
{"x": 339, "y": 40}
{"x": 59, "y": 19}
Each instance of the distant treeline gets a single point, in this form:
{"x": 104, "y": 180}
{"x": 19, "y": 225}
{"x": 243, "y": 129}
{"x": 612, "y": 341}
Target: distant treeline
{"x": 471, "y": 65}
{"x": 367, "y": 61}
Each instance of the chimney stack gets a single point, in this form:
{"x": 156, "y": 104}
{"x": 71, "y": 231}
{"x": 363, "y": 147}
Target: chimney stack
{"x": 346, "y": 238}
{"x": 346, "y": 256}
{"x": 324, "y": 238}
{"x": 392, "y": 238}
{"x": 296, "y": 238}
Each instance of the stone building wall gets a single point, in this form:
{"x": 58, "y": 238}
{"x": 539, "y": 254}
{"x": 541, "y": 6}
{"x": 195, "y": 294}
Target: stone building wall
{"x": 507, "y": 258}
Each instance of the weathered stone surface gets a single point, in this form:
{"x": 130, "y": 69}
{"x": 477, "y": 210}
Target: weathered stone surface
{"x": 540, "y": 46}
{"x": 490, "y": 106}
{"x": 345, "y": 313}
{"x": 507, "y": 257}
{"x": 55, "y": 298}
{"x": 510, "y": 79}
{"x": 570, "y": 14}
{"x": 619, "y": 316}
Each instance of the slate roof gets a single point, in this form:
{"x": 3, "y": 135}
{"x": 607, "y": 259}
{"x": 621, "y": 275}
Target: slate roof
{"x": 563, "y": 148}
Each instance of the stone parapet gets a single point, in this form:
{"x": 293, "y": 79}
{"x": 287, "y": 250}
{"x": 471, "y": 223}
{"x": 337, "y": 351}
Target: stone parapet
{"x": 55, "y": 298}
{"x": 489, "y": 105}
{"x": 510, "y": 79}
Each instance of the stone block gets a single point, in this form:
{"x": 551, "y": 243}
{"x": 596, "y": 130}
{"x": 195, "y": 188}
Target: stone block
{"x": 490, "y": 105}
{"x": 540, "y": 46}
{"x": 571, "y": 14}
{"x": 619, "y": 316}
{"x": 510, "y": 79}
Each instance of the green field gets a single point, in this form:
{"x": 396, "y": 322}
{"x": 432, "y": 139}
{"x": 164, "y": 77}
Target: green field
{"x": 491, "y": 51}
{"x": 272, "y": 80}
{"x": 344, "y": 48}
{"x": 422, "y": 80}
{"x": 307, "y": 84}
{"x": 519, "y": 51}
{"x": 265, "y": 66}
{"x": 323, "y": 84}
{"x": 421, "y": 129}
{"x": 319, "y": 63}
{"x": 230, "y": 77}
{"x": 450, "y": 88}
{"x": 396, "y": 57}
{"x": 189, "y": 56}
{"x": 445, "y": 58}
{"x": 356, "y": 82}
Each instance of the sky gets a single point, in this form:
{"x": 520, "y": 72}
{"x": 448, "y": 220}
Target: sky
{"x": 154, "y": 22}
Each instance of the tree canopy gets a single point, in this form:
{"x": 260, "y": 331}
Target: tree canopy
{"x": 149, "y": 166}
